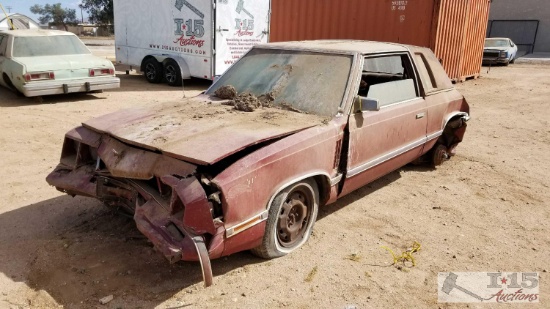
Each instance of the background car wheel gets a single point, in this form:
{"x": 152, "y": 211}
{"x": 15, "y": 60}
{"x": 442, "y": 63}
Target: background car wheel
{"x": 439, "y": 154}
{"x": 291, "y": 217}
{"x": 153, "y": 71}
{"x": 172, "y": 73}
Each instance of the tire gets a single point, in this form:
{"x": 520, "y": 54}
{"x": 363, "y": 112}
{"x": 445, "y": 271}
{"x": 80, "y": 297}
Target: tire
{"x": 153, "y": 71}
{"x": 290, "y": 221}
{"x": 439, "y": 154}
{"x": 513, "y": 59}
{"x": 172, "y": 73}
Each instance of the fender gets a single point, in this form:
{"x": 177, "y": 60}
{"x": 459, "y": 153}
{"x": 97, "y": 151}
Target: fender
{"x": 452, "y": 115}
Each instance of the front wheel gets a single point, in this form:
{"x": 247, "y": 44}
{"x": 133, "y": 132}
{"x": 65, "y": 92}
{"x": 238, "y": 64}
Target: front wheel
{"x": 291, "y": 217}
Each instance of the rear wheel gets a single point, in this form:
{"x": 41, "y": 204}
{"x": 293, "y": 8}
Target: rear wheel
{"x": 153, "y": 70}
{"x": 291, "y": 217}
{"x": 172, "y": 73}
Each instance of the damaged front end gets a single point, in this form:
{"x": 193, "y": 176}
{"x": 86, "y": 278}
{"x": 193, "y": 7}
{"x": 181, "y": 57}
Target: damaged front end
{"x": 173, "y": 206}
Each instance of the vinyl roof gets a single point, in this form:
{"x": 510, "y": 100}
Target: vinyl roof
{"x": 355, "y": 46}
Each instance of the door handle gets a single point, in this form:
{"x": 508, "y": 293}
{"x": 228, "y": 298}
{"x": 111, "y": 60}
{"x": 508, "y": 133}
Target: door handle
{"x": 420, "y": 116}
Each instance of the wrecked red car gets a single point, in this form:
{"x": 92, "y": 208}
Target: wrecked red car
{"x": 289, "y": 128}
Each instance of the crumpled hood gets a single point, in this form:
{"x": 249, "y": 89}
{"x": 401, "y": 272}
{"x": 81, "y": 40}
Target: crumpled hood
{"x": 199, "y": 130}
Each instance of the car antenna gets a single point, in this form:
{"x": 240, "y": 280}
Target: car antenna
{"x": 8, "y": 18}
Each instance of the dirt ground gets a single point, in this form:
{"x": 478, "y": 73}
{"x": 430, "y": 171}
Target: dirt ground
{"x": 485, "y": 210}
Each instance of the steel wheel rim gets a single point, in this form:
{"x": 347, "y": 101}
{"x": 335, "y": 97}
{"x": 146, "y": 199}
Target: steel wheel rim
{"x": 150, "y": 71}
{"x": 440, "y": 155}
{"x": 295, "y": 217}
{"x": 171, "y": 74}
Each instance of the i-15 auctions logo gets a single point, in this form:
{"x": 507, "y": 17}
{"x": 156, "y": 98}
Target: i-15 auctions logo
{"x": 495, "y": 287}
{"x": 244, "y": 27}
{"x": 190, "y": 30}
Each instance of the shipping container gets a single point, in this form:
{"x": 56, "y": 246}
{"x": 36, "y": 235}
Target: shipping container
{"x": 454, "y": 29}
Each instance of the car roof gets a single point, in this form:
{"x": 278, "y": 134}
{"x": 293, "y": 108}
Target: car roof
{"x": 35, "y": 32}
{"x": 345, "y": 46}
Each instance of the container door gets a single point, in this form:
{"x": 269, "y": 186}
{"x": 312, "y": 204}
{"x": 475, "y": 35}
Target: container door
{"x": 240, "y": 24}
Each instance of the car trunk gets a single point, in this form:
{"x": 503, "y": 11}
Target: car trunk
{"x": 64, "y": 67}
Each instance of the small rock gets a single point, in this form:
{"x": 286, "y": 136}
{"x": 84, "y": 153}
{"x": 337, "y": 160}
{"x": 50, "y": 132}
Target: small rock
{"x": 106, "y": 299}
{"x": 436, "y": 207}
{"x": 544, "y": 271}
{"x": 243, "y": 295}
{"x": 454, "y": 256}
{"x": 293, "y": 290}
{"x": 235, "y": 300}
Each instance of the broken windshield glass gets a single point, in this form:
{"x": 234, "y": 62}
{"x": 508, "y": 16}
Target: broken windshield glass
{"x": 306, "y": 81}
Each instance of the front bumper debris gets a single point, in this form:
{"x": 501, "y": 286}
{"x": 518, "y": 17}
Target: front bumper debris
{"x": 169, "y": 204}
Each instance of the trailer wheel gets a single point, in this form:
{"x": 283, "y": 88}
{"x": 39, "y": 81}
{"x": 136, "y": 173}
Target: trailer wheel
{"x": 153, "y": 71}
{"x": 172, "y": 73}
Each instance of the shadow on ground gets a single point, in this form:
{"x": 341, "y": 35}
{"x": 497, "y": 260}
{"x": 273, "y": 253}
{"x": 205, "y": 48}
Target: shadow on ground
{"x": 79, "y": 251}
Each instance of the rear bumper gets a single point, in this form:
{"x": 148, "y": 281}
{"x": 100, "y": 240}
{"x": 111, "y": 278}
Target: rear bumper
{"x": 40, "y": 88}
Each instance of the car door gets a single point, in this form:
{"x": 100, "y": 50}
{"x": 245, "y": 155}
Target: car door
{"x": 384, "y": 140}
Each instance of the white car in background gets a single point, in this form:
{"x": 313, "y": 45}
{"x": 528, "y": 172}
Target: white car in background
{"x": 499, "y": 50}
{"x": 45, "y": 62}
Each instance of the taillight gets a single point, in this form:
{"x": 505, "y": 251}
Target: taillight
{"x": 39, "y": 76}
{"x": 101, "y": 72}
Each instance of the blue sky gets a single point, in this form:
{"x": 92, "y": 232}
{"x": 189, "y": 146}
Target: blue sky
{"x": 22, "y": 6}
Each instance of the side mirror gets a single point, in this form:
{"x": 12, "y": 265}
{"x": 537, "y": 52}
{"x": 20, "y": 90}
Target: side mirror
{"x": 362, "y": 104}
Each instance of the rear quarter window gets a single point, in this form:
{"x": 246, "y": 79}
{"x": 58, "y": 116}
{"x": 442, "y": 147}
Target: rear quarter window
{"x": 3, "y": 44}
{"x": 428, "y": 79}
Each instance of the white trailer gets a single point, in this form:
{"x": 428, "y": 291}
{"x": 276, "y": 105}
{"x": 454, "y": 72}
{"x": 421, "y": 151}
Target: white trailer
{"x": 172, "y": 40}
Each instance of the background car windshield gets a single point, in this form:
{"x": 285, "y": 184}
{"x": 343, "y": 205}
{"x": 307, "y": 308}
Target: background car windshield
{"x": 48, "y": 46}
{"x": 497, "y": 43}
{"x": 310, "y": 82}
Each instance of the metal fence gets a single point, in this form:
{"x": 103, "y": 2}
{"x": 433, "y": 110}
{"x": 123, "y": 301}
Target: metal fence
{"x": 522, "y": 32}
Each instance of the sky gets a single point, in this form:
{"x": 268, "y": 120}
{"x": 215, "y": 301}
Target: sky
{"x": 22, "y": 6}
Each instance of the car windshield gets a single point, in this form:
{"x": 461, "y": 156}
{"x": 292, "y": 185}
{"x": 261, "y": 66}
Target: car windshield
{"x": 310, "y": 82}
{"x": 497, "y": 43}
{"x": 55, "y": 45}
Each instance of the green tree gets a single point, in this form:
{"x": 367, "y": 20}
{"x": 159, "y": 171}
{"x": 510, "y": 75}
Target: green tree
{"x": 54, "y": 13}
{"x": 99, "y": 11}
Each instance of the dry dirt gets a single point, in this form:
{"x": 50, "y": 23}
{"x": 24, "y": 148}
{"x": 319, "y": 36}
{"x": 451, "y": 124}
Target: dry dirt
{"x": 485, "y": 210}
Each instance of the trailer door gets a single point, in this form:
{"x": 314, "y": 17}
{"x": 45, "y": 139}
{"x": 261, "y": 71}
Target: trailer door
{"x": 240, "y": 24}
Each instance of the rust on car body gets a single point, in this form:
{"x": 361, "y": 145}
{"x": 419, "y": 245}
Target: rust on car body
{"x": 204, "y": 180}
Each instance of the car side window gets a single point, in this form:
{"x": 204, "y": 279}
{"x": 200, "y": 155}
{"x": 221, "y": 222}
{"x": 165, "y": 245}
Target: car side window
{"x": 388, "y": 79}
{"x": 424, "y": 70}
{"x": 3, "y": 44}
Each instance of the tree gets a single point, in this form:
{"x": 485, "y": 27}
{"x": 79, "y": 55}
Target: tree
{"x": 55, "y": 13}
{"x": 99, "y": 11}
